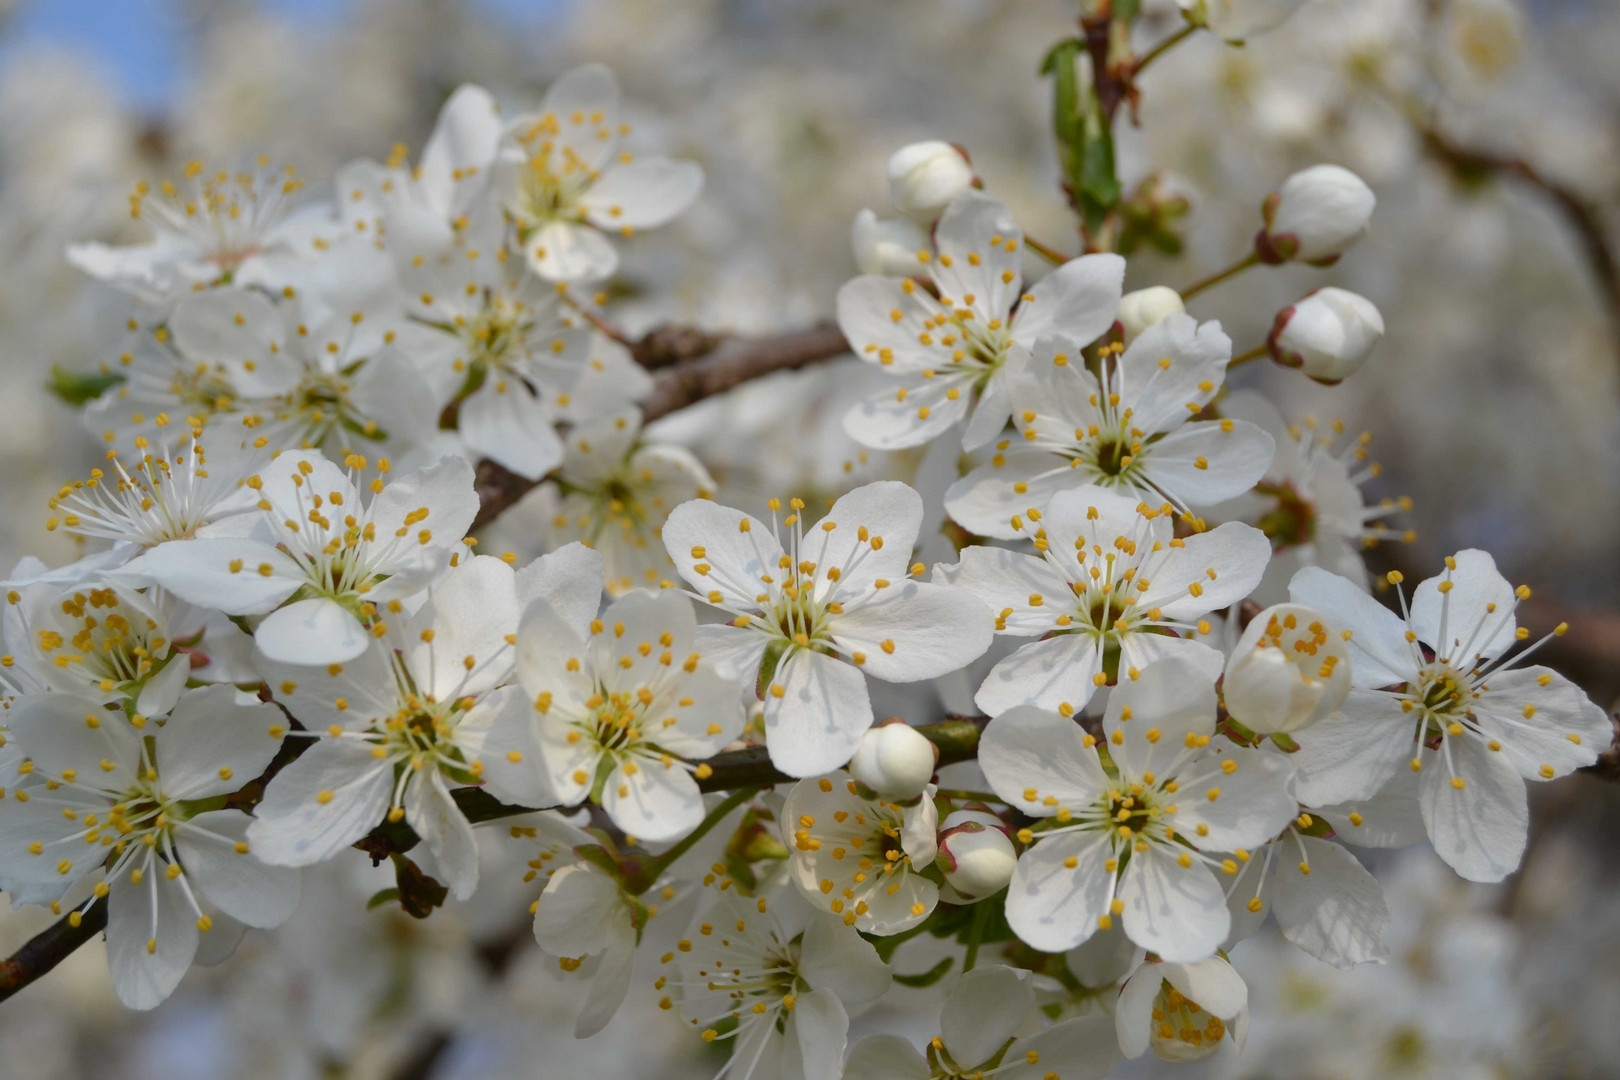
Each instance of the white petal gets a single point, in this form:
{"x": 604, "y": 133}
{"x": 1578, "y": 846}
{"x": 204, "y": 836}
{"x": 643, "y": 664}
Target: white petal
{"x": 468, "y": 616}
{"x": 314, "y": 631}
{"x": 1212, "y": 983}
{"x": 564, "y": 252}
{"x": 437, "y": 819}
{"x": 578, "y": 911}
{"x": 445, "y": 489}
{"x": 570, "y": 579}
{"x": 1354, "y": 752}
{"x": 866, "y": 315}
{"x": 497, "y": 732}
{"x": 704, "y": 533}
{"x": 817, "y": 722}
{"x": 817, "y": 1032}
{"x": 659, "y": 802}
{"x": 199, "y": 572}
{"x": 1542, "y": 727}
{"x": 1252, "y": 804}
{"x": 55, "y": 731}
{"x": 1080, "y": 1048}
{"x": 915, "y": 630}
{"x": 1234, "y": 461}
{"x": 459, "y": 151}
{"x": 986, "y": 499}
{"x": 984, "y": 1009}
{"x": 1476, "y": 612}
{"x": 1175, "y": 911}
{"x": 1379, "y": 653}
{"x": 235, "y": 882}
{"x": 1169, "y": 700}
{"x": 1160, "y": 393}
{"x": 161, "y": 691}
{"x": 887, "y": 421}
{"x": 734, "y": 652}
{"x": 292, "y": 827}
{"x": 835, "y": 957}
{"x": 212, "y": 745}
{"x": 142, "y": 978}
{"x": 889, "y": 511}
{"x": 1008, "y": 579}
{"x": 1227, "y": 563}
{"x": 507, "y": 422}
{"x": 885, "y": 1057}
{"x": 1050, "y": 674}
{"x": 1133, "y": 1012}
{"x": 1391, "y": 818}
{"x": 584, "y": 102}
{"x": 609, "y": 984}
{"x": 1027, "y": 748}
{"x": 1078, "y": 300}
{"x": 1336, "y": 912}
{"x": 642, "y": 194}
{"x": 982, "y": 243}
{"x": 1479, "y": 829}
{"x": 1053, "y": 907}
{"x": 235, "y": 329}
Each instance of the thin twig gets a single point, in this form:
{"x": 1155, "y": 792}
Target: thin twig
{"x": 50, "y": 947}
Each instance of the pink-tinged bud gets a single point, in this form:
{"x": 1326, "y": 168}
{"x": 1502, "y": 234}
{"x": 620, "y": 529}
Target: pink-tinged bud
{"x": 1328, "y": 334}
{"x": 1238, "y": 20}
{"x": 1315, "y": 216}
{"x": 1143, "y": 308}
{"x": 894, "y": 760}
{"x": 887, "y": 247}
{"x": 924, "y": 177}
{"x": 976, "y": 853}
{"x": 1290, "y": 669}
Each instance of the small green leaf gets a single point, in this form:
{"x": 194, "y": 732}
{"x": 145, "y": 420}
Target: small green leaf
{"x": 381, "y": 897}
{"x": 929, "y": 977}
{"x": 81, "y": 389}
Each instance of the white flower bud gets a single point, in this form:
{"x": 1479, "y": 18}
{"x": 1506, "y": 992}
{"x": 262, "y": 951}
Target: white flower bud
{"x": 1317, "y": 214}
{"x": 1141, "y": 309}
{"x": 1239, "y": 20}
{"x": 976, "y": 853}
{"x": 924, "y": 177}
{"x": 1290, "y": 669}
{"x": 1183, "y": 1012}
{"x": 894, "y": 760}
{"x": 887, "y": 247}
{"x": 1328, "y": 334}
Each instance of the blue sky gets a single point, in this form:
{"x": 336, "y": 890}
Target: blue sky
{"x": 138, "y": 43}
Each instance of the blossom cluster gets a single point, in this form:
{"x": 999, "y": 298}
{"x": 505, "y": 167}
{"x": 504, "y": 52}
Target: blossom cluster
{"x": 1189, "y": 707}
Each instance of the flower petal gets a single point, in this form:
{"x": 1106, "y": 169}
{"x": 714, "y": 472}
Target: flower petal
{"x": 1052, "y": 906}
{"x": 294, "y": 827}
{"x": 1178, "y": 912}
{"x": 1479, "y": 829}
{"x": 212, "y": 744}
{"x": 642, "y": 194}
{"x": 314, "y": 631}
{"x": 1027, "y": 749}
{"x": 1078, "y": 300}
{"x": 235, "y": 880}
{"x": 816, "y": 723}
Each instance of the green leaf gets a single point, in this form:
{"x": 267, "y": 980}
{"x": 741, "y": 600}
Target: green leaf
{"x": 81, "y": 389}
{"x": 929, "y": 977}
{"x": 381, "y": 897}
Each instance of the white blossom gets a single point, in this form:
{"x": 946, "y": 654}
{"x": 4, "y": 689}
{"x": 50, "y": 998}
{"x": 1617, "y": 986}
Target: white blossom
{"x": 810, "y": 618}
{"x": 1438, "y": 691}
{"x": 957, "y": 351}
{"x": 1289, "y": 670}
{"x": 1136, "y": 842}
{"x": 1183, "y": 1011}
{"x": 863, "y": 858}
{"x": 1131, "y": 429}
{"x": 317, "y": 557}
{"x": 567, "y": 184}
{"x": 1109, "y": 590}
{"x": 924, "y": 177}
{"x": 1315, "y": 216}
{"x": 131, "y": 800}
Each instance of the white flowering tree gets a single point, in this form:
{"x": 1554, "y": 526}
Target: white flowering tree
{"x": 1156, "y": 684}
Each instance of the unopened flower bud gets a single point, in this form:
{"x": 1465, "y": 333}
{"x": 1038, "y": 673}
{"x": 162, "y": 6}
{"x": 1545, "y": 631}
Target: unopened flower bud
{"x": 976, "y": 853}
{"x": 1141, "y": 309}
{"x": 1158, "y": 1008}
{"x": 1315, "y": 216}
{"x": 1239, "y": 20}
{"x": 924, "y": 177}
{"x": 1328, "y": 334}
{"x": 1290, "y": 669}
{"x": 894, "y": 760}
{"x": 887, "y": 247}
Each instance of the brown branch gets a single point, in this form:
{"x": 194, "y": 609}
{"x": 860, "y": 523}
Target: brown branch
{"x": 695, "y": 365}
{"x": 50, "y": 947}
{"x": 1583, "y": 216}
